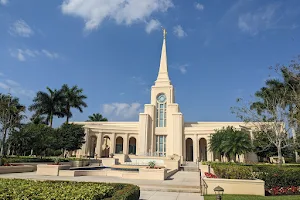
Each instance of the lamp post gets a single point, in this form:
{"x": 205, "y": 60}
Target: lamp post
{"x": 219, "y": 192}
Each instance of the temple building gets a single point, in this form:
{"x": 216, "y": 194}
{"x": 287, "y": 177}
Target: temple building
{"x": 161, "y": 130}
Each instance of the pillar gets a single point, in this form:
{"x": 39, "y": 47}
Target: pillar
{"x": 210, "y": 155}
{"x": 113, "y": 143}
{"x": 85, "y": 146}
{"x": 195, "y": 149}
{"x": 125, "y": 144}
{"x": 98, "y": 150}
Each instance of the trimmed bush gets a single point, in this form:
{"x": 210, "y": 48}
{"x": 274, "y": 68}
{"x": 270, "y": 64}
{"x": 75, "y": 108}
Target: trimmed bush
{"x": 233, "y": 171}
{"x": 44, "y": 190}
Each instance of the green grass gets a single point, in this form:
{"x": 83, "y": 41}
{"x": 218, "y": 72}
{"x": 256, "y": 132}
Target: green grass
{"x": 246, "y": 197}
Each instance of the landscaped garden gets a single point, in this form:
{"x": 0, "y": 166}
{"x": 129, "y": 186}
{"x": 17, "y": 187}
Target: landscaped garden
{"x": 279, "y": 180}
{"x": 11, "y": 189}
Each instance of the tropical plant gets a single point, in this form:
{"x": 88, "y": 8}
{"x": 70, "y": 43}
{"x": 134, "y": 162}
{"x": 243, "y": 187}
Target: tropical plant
{"x": 11, "y": 115}
{"x": 231, "y": 142}
{"x": 96, "y": 117}
{"x": 151, "y": 164}
{"x": 73, "y": 98}
{"x": 49, "y": 104}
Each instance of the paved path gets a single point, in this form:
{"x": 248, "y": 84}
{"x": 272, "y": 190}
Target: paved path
{"x": 153, "y": 195}
{"x": 181, "y": 186}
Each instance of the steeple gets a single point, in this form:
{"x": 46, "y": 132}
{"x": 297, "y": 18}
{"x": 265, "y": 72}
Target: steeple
{"x": 163, "y": 76}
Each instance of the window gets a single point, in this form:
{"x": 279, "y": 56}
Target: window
{"x": 161, "y": 111}
{"x": 161, "y": 145}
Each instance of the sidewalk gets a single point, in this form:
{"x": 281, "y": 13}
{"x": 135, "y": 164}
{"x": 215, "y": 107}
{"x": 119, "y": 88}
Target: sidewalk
{"x": 153, "y": 195}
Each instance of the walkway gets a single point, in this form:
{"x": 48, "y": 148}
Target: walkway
{"x": 179, "y": 183}
{"x": 153, "y": 195}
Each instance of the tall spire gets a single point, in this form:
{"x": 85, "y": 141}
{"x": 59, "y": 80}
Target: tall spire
{"x": 163, "y": 76}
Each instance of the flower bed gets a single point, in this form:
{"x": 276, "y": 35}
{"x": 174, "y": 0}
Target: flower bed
{"x": 28, "y": 189}
{"x": 291, "y": 190}
{"x": 210, "y": 175}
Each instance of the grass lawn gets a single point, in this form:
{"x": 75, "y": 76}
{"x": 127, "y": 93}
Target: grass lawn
{"x": 246, "y": 197}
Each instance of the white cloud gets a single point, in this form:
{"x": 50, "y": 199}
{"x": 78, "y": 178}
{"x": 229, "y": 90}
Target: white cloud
{"x": 3, "y": 2}
{"x": 122, "y": 111}
{"x": 49, "y": 54}
{"x": 21, "y": 28}
{"x": 23, "y": 54}
{"x": 179, "y": 32}
{"x": 94, "y": 12}
{"x": 260, "y": 20}
{"x": 11, "y": 82}
{"x": 152, "y": 25}
{"x": 199, "y": 6}
{"x": 139, "y": 80}
{"x": 183, "y": 68}
{"x": 15, "y": 88}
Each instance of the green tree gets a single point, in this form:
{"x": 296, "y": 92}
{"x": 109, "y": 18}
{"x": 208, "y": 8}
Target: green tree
{"x": 35, "y": 137}
{"x": 71, "y": 137}
{"x": 230, "y": 142}
{"x": 275, "y": 110}
{"x": 73, "y": 98}
{"x": 49, "y": 104}
{"x": 97, "y": 117}
{"x": 11, "y": 115}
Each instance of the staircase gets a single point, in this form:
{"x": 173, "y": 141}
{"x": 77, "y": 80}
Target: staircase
{"x": 190, "y": 167}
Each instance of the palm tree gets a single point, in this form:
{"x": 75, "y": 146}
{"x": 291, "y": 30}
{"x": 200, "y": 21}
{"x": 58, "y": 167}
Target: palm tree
{"x": 11, "y": 115}
{"x": 49, "y": 104}
{"x": 97, "y": 117}
{"x": 230, "y": 142}
{"x": 236, "y": 143}
{"x": 73, "y": 98}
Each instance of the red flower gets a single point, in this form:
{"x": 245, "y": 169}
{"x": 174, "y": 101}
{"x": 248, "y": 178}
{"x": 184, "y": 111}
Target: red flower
{"x": 210, "y": 175}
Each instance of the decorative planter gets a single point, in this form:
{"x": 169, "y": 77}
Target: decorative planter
{"x": 16, "y": 169}
{"x": 50, "y": 170}
{"x": 153, "y": 174}
{"x": 235, "y": 186}
{"x": 80, "y": 163}
{"x": 108, "y": 162}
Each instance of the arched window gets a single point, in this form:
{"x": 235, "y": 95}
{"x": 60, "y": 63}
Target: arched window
{"x": 161, "y": 110}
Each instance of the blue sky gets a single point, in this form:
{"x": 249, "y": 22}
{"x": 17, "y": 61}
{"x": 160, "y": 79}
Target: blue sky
{"x": 219, "y": 49}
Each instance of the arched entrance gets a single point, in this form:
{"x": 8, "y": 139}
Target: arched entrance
{"x": 93, "y": 146}
{"x": 119, "y": 145}
{"x": 189, "y": 149}
{"x": 132, "y": 145}
{"x": 203, "y": 149}
{"x": 106, "y": 147}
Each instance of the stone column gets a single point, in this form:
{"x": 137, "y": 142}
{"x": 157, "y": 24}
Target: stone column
{"x": 125, "y": 144}
{"x": 210, "y": 155}
{"x": 98, "y": 150}
{"x": 113, "y": 143}
{"x": 198, "y": 148}
{"x": 195, "y": 148}
{"x": 85, "y": 146}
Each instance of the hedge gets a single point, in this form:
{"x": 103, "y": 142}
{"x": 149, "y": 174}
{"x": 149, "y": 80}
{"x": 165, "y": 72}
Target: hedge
{"x": 278, "y": 180}
{"x": 17, "y": 189}
{"x": 233, "y": 171}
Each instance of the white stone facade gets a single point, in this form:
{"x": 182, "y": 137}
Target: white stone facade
{"x": 160, "y": 131}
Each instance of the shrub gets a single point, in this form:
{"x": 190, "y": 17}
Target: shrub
{"x": 233, "y": 171}
{"x": 279, "y": 176}
{"x": 151, "y": 164}
{"x": 42, "y": 190}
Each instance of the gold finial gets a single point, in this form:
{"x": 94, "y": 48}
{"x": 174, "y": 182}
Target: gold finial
{"x": 164, "y": 32}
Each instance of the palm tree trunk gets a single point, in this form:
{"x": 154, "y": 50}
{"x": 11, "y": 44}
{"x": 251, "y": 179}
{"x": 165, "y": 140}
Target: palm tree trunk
{"x": 68, "y": 114}
{"x": 51, "y": 119}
